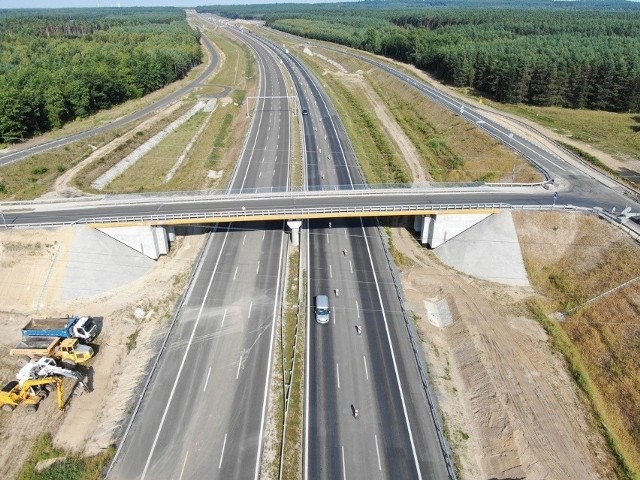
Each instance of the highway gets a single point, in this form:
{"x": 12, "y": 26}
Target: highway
{"x": 204, "y": 408}
{"x": 203, "y": 413}
{"x": 374, "y": 372}
{"x": 162, "y": 209}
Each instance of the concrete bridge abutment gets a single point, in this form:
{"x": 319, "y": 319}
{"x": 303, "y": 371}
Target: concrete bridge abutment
{"x": 149, "y": 240}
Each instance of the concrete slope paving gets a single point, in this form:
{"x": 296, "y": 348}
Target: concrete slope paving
{"x": 489, "y": 250}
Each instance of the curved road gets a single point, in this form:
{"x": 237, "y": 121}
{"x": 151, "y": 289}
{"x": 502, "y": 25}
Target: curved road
{"x": 203, "y": 413}
{"x": 164, "y": 102}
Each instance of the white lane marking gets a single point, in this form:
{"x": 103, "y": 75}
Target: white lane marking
{"x": 327, "y": 237}
{"x": 258, "y": 268}
{"x": 357, "y": 309}
{"x": 330, "y": 272}
{"x": 259, "y": 174}
{"x": 344, "y": 471}
{"x": 184, "y": 359}
{"x": 223, "y": 317}
{"x": 268, "y": 364}
{"x": 366, "y": 371}
{"x": 263, "y": 234}
{"x": 377, "y": 452}
{"x": 235, "y": 273}
{"x": 206, "y": 382}
{"x": 250, "y": 305}
{"x": 338, "y": 374}
{"x": 239, "y": 365}
{"x": 222, "y": 452}
{"x": 184, "y": 464}
{"x": 351, "y": 266}
{"x": 393, "y": 355}
{"x": 334, "y": 314}
{"x": 244, "y": 238}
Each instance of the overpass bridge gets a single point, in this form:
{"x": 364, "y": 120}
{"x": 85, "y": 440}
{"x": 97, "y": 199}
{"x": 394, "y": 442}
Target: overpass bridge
{"x": 148, "y": 222}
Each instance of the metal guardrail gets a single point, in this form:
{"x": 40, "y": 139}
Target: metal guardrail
{"x": 419, "y": 358}
{"x": 293, "y": 213}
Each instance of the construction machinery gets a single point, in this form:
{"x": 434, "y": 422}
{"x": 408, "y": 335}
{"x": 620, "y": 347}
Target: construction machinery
{"x": 67, "y": 350}
{"x": 30, "y": 393}
{"x": 47, "y": 367}
{"x": 72, "y": 326}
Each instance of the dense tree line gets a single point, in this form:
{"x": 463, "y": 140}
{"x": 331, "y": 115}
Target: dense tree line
{"x": 57, "y": 66}
{"x": 561, "y": 57}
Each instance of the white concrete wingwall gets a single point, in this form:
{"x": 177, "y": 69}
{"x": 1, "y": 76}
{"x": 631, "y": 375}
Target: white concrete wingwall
{"x": 149, "y": 240}
{"x": 482, "y": 245}
{"x": 437, "y": 229}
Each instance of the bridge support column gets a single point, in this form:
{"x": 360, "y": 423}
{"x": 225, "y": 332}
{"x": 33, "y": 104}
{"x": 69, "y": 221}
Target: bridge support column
{"x": 295, "y": 225}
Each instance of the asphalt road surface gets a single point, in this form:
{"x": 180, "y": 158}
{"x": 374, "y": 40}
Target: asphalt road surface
{"x": 203, "y": 413}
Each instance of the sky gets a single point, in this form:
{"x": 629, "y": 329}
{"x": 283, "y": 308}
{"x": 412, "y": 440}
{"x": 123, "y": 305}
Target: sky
{"x": 134, "y": 3}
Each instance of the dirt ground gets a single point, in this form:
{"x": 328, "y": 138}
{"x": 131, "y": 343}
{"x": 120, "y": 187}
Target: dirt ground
{"x": 32, "y": 266}
{"x": 511, "y": 407}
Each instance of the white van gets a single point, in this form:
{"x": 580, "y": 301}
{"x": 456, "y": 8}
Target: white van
{"x": 322, "y": 309}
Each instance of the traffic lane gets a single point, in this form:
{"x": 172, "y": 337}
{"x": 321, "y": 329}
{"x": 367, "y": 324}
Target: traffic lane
{"x": 428, "y": 449}
{"x": 204, "y": 420}
{"x": 270, "y": 166}
{"x": 323, "y": 452}
{"x": 246, "y": 420}
{"x": 149, "y": 422}
{"x": 274, "y": 201}
{"x": 360, "y": 439}
{"x": 203, "y": 310}
{"x": 394, "y": 439}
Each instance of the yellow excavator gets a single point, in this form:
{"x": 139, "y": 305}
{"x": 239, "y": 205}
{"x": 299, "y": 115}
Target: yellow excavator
{"x": 30, "y": 392}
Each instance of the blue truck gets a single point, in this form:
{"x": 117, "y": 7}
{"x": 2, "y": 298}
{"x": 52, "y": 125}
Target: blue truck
{"x": 82, "y": 328}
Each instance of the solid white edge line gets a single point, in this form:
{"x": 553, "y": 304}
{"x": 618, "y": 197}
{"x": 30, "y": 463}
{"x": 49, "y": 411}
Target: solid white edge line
{"x": 184, "y": 464}
{"x": 184, "y": 358}
{"x": 393, "y": 355}
{"x": 306, "y": 375}
{"x": 222, "y": 452}
{"x": 268, "y": 364}
{"x": 338, "y": 374}
{"x": 206, "y": 382}
{"x": 344, "y": 468}
{"x": 223, "y": 318}
{"x": 366, "y": 370}
{"x": 239, "y": 365}
{"x": 378, "y": 452}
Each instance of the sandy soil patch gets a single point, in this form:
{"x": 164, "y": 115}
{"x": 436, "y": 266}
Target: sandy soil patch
{"x": 510, "y": 406}
{"x": 89, "y": 421}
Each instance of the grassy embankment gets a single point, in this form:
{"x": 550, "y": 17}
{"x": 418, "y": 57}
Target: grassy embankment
{"x": 71, "y": 466}
{"x": 291, "y": 327}
{"x": 450, "y": 149}
{"x": 601, "y": 341}
{"x": 614, "y": 133}
{"x": 216, "y": 147}
{"x": 32, "y": 177}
